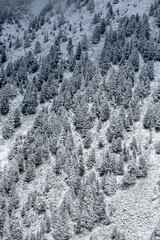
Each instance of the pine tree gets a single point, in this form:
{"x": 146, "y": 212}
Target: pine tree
{"x": 34, "y": 66}
{"x": 100, "y": 209}
{"x": 91, "y": 159}
{"x": 45, "y": 38}
{"x": 9, "y": 69}
{"x": 81, "y": 168}
{"x": 115, "y": 235}
{"x": 151, "y": 11}
{"x": 119, "y": 167}
{"x": 149, "y": 118}
{"x": 17, "y": 43}
{"x": 17, "y": 119}
{"x": 33, "y": 36}
{"x": 10, "y": 44}
{"x": 41, "y": 207}
{"x": 96, "y": 35}
{"x": 150, "y": 70}
{"x": 158, "y": 37}
{"x": 108, "y": 184}
{"x": 79, "y": 51}
{"x": 27, "y": 43}
{"x": 110, "y": 11}
{"x": 29, "y": 173}
{"x": 37, "y": 47}
{"x": 0, "y": 30}
{"x": 157, "y": 147}
{"x": 70, "y": 46}
{"x": 157, "y": 121}
{"x": 8, "y": 129}
{"x": 48, "y": 225}
{"x": 156, "y": 94}
{"x": 87, "y": 141}
{"x": 90, "y": 6}
{"x": 29, "y": 103}
{"x": 116, "y": 145}
{"x": 38, "y": 156}
{"x": 3, "y": 56}
{"x": 96, "y": 19}
{"x": 158, "y": 18}
{"x": 84, "y": 42}
{"x": 104, "y": 112}
{"x": 156, "y": 232}
{"x": 72, "y": 63}
{"x": 64, "y": 38}
{"x": 16, "y": 232}
{"x": 128, "y": 180}
{"x": 142, "y": 168}
{"x": 4, "y": 106}
{"x": 134, "y": 58}
{"x": 102, "y": 26}
{"x": 104, "y": 62}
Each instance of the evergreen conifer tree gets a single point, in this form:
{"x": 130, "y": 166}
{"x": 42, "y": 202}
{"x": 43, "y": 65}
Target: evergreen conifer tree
{"x": 37, "y": 47}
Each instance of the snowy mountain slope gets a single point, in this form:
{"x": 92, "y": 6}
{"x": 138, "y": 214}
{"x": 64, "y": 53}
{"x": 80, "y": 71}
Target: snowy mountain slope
{"x": 125, "y": 7}
{"x": 79, "y": 126}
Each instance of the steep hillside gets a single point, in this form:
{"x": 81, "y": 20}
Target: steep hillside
{"x": 79, "y": 120}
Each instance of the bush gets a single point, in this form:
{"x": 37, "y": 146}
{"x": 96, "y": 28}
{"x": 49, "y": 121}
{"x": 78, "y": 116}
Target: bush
{"x": 157, "y": 147}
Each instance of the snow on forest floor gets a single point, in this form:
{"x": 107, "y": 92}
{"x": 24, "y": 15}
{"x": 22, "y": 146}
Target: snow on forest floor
{"x": 136, "y": 209}
{"x": 7, "y": 145}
